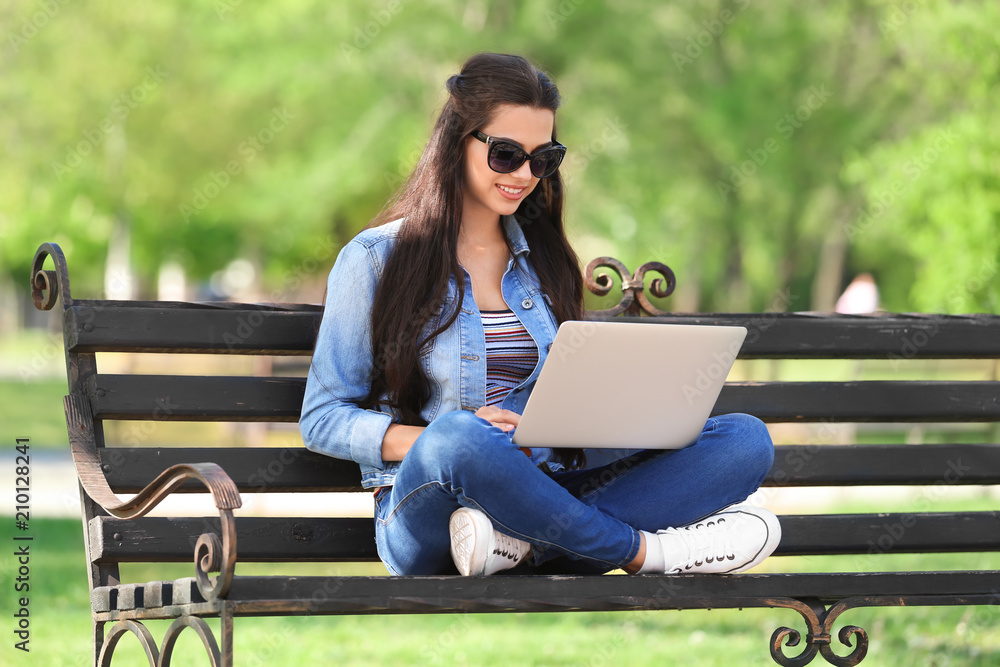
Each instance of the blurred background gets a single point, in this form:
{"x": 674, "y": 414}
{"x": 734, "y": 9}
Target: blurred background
{"x": 769, "y": 153}
{"x": 778, "y": 156}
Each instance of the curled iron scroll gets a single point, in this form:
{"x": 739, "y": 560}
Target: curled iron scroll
{"x": 856, "y": 656}
{"x": 632, "y": 287}
{"x": 214, "y": 555}
{"x": 778, "y": 655}
{"x": 860, "y": 649}
{"x": 811, "y": 614}
{"x": 819, "y": 621}
{"x": 48, "y": 286}
{"x": 661, "y": 288}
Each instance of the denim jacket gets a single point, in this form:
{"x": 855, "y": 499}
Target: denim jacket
{"x": 455, "y": 361}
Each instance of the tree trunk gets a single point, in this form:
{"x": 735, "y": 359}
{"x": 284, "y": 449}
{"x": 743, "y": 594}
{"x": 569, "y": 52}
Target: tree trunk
{"x": 10, "y": 308}
{"x": 119, "y": 280}
{"x": 830, "y": 271}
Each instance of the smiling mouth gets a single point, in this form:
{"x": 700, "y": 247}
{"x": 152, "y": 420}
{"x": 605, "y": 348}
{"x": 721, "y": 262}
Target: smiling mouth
{"x": 506, "y": 189}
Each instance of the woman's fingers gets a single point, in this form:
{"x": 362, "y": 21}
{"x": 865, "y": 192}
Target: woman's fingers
{"x": 503, "y": 419}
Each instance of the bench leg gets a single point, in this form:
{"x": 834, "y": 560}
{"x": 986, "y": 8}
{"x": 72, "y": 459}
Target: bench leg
{"x": 227, "y": 634}
{"x": 98, "y": 637}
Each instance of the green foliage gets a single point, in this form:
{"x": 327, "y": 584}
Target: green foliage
{"x": 934, "y": 192}
{"x": 739, "y": 143}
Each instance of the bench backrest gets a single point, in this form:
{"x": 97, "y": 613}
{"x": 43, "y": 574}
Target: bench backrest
{"x": 288, "y": 330}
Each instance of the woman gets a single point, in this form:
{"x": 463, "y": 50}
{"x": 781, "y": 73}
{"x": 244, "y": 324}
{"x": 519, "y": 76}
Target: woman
{"x": 438, "y": 319}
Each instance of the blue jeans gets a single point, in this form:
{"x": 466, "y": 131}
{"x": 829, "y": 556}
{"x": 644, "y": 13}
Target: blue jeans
{"x": 583, "y": 521}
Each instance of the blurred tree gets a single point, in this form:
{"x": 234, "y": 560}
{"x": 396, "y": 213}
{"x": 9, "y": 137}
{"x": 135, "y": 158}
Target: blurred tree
{"x": 933, "y": 192}
{"x": 738, "y": 127}
{"x": 739, "y": 144}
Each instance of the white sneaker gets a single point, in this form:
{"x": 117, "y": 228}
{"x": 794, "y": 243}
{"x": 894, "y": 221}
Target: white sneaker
{"x": 733, "y": 540}
{"x": 477, "y": 548}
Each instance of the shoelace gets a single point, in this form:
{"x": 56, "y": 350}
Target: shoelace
{"x": 507, "y": 547}
{"x": 707, "y": 541}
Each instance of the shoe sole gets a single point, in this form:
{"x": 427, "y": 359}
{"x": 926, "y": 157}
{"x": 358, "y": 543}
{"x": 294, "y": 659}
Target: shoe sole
{"x": 469, "y": 530}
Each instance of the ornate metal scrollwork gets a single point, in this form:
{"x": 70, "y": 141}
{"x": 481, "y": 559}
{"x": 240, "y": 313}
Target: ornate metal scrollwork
{"x": 214, "y": 555}
{"x": 856, "y": 656}
{"x": 819, "y": 622}
{"x": 47, "y": 286}
{"x": 117, "y": 632}
{"x": 160, "y": 657}
{"x": 211, "y": 553}
{"x": 633, "y": 290}
{"x": 200, "y": 627}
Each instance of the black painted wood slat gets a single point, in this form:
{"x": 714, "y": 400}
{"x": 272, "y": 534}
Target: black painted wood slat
{"x": 231, "y": 328}
{"x": 315, "y": 595}
{"x": 296, "y": 469}
{"x": 386, "y": 595}
{"x": 869, "y": 535}
{"x": 283, "y": 539}
{"x": 876, "y": 401}
{"x": 259, "y": 539}
{"x": 194, "y": 398}
{"x": 203, "y": 328}
{"x": 852, "y": 465}
{"x": 892, "y": 336}
{"x": 254, "y": 469}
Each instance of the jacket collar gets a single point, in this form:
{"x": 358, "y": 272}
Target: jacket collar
{"x": 515, "y": 235}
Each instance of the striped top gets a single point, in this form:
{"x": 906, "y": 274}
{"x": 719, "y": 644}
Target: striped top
{"x": 511, "y": 353}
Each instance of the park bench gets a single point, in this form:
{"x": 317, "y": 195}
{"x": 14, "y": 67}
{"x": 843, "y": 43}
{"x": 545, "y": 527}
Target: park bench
{"x": 115, "y": 531}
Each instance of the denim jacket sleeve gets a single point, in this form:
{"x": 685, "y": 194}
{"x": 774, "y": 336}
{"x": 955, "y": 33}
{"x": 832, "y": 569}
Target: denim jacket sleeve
{"x": 331, "y": 422}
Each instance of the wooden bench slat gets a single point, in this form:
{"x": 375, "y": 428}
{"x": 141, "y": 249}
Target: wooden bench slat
{"x": 873, "y": 401}
{"x": 873, "y": 465}
{"x": 234, "y": 328}
{"x": 874, "y": 534}
{"x": 331, "y": 595}
{"x": 259, "y": 539}
{"x": 284, "y": 539}
{"x": 313, "y": 595}
{"x": 254, "y": 469}
{"x": 193, "y": 328}
{"x": 296, "y": 469}
{"x": 196, "y": 398}
{"x": 895, "y": 337}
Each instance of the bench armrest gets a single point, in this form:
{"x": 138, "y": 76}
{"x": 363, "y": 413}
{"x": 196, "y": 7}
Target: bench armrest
{"x": 211, "y": 554}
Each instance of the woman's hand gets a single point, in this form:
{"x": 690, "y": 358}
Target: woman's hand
{"x": 505, "y": 420}
{"x": 399, "y": 438}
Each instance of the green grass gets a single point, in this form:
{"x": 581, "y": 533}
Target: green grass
{"x": 60, "y": 624}
{"x": 34, "y": 410}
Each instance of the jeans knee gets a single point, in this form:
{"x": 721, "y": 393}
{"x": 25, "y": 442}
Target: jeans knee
{"x": 752, "y": 442}
{"x": 456, "y": 438}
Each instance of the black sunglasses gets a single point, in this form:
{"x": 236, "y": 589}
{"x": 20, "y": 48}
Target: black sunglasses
{"x": 505, "y": 157}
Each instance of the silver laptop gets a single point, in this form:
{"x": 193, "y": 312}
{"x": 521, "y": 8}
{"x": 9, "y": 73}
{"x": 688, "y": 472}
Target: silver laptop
{"x": 628, "y": 385}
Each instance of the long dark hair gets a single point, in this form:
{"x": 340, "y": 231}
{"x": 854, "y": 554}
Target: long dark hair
{"x": 414, "y": 282}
